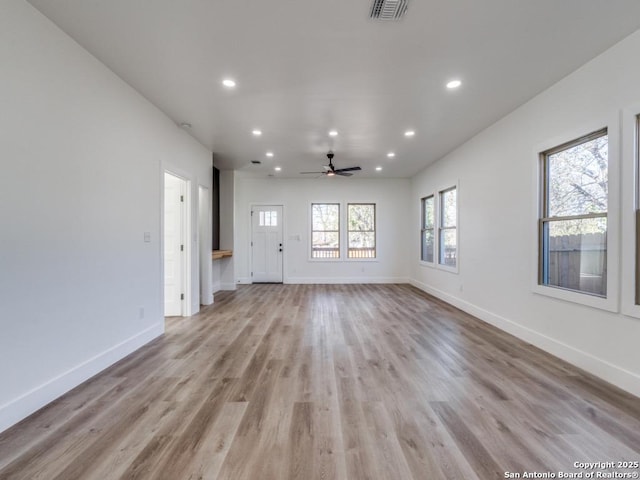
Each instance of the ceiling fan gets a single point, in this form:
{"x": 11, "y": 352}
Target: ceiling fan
{"x": 330, "y": 170}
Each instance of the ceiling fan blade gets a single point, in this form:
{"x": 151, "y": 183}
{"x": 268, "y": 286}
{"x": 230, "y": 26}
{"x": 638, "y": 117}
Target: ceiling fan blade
{"x": 343, "y": 174}
{"x": 305, "y": 173}
{"x": 349, "y": 169}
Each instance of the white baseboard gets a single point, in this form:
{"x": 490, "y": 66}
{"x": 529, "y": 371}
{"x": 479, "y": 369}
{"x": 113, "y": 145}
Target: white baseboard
{"x": 329, "y": 280}
{"x": 609, "y": 372}
{"x": 339, "y": 280}
{"x": 220, "y": 287}
{"x": 31, "y": 401}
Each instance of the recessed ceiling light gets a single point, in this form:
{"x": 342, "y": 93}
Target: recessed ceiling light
{"x": 409, "y": 133}
{"x": 333, "y": 133}
{"x": 257, "y": 132}
{"x": 269, "y": 154}
{"x": 227, "y": 82}
{"x": 378, "y": 169}
{"x": 454, "y": 84}
{"x": 277, "y": 169}
{"x": 391, "y": 154}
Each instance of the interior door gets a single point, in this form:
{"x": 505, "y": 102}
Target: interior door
{"x": 174, "y": 262}
{"x": 266, "y": 243}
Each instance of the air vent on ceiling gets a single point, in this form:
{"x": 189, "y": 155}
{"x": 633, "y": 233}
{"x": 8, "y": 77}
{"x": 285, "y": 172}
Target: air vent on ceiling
{"x": 388, "y": 9}
{"x": 256, "y": 162}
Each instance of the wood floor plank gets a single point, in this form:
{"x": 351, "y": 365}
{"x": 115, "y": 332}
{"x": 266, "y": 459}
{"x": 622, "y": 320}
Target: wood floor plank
{"x": 208, "y": 460}
{"x": 326, "y": 382}
{"x": 471, "y": 447}
{"x": 301, "y": 465}
{"x": 27, "y": 436}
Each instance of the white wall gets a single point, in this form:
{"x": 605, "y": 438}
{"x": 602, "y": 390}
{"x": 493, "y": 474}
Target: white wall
{"x": 390, "y": 195}
{"x": 82, "y": 156}
{"x": 497, "y": 174}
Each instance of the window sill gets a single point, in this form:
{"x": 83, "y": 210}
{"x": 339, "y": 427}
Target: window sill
{"x": 446, "y": 268}
{"x": 438, "y": 266}
{"x": 345, "y": 260}
{"x": 427, "y": 264}
{"x": 585, "y": 299}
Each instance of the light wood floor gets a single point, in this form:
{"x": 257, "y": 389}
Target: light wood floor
{"x": 327, "y": 382}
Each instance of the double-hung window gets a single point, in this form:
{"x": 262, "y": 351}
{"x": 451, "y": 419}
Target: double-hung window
{"x": 325, "y": 230}
{"x": 428, "y": 226}
{"x": 447, "y": 228}
{"x": 361, "y": 230}
{"x": 327, "y": 236}
{"x": 573, "y": 218}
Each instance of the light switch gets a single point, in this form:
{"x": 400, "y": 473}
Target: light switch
{"x": 147, "y": 237}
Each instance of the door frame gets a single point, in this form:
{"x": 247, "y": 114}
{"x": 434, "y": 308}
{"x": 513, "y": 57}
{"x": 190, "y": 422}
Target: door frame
{"x": 284, "y": 237}
{"x": 188, "y": 242}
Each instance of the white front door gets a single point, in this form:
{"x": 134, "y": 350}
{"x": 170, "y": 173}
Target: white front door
{"x": 266, "y": 243}
{"x": 174, "y": 245}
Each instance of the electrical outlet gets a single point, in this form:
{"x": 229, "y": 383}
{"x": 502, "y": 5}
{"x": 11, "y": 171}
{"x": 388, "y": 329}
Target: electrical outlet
{"x": 141, "y": 313}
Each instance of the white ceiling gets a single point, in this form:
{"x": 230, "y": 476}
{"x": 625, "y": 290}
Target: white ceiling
{"x": 303, "y": 68}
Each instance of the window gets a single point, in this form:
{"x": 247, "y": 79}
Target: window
{"x": 447, "y": 232}
{"x": 325, "y": 230}
{"x": 268, "y": 219}
{"x": 428, "y": 225}
{"x": 361, "y": 230}
{"x": 573, "y": 220}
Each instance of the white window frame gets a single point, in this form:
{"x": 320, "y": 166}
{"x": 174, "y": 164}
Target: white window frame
{"x": 375, "y": 232}
{"x": 343, "y": 232}
{"x": 434, "y": 228}
{"x": 630, "y": 221}
{"x": 546, "y": 219}
{"x": 440, "y": 228}
{"x": 611, "y": 302}
{"x": 339, "y": 258}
